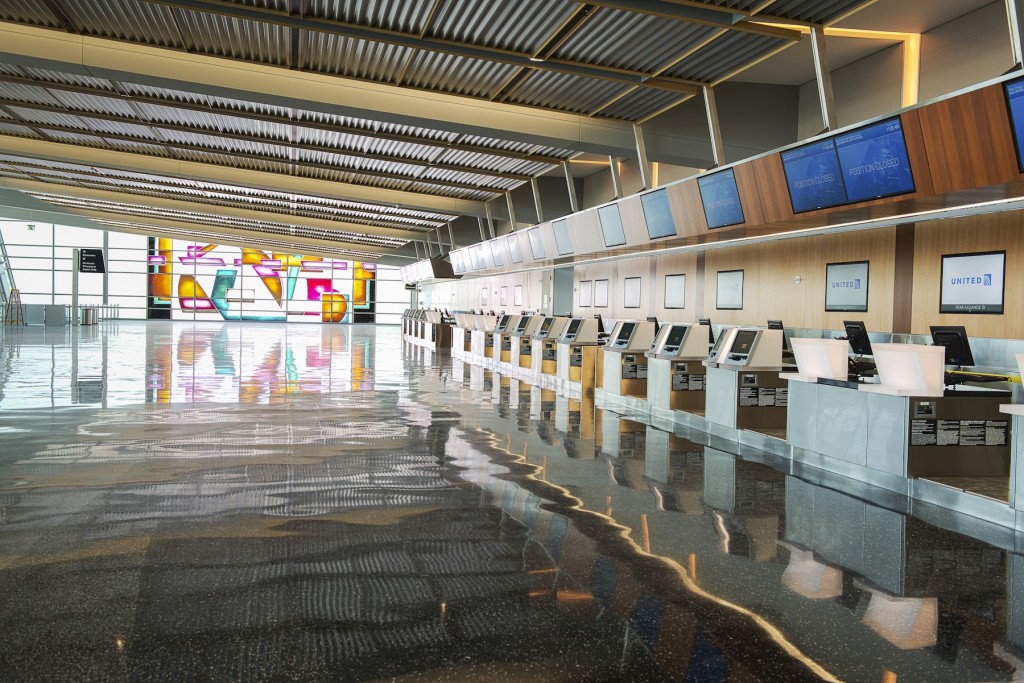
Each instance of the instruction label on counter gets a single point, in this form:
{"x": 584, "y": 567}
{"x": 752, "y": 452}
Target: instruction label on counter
{"x": 506, "y": 343}
{"x": 634, "y": 371}
{"x": 549, "y": 353}
{"x": 684, "y": 382}
{"x": 959, "y": 432}
{"x": 576, "y": 358}
{"x": 764, "y": 397}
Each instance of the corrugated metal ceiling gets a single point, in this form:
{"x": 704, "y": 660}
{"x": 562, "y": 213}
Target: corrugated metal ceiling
{"x": 627, "y": 63}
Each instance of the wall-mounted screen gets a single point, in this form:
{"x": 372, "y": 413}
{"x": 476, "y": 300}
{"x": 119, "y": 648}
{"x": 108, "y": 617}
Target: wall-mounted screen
{"x": 498, "y": 252}
{"x": 517, "y": 295}
{"x": 721, "y": 199}
{"x": 536, "y": 244}
{"x": 813, "y": 176}
{"x": 972, "y": 283}
{"x": 601, "y": 293}
{"x": 729, "y": 290}
{"x": 631, "y": 292}
{"x": 874, "y": 161}
{"x": 611, "y": 225}
{"x": 586, "y": 293}
{"x": 658, "y": 214}
{"x": 846, "y": 286}
{"x": 1015, "y": 104}
{"x": 563, "y": 241}
{"x": 515, "y": 250}
{"x": 675, "y": 291}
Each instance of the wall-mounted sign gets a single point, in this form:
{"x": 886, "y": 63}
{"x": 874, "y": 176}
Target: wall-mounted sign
{"x": 91, "y": 261}
{"x": 846, "y": 286}
{"x": 729, "y": 290}
{"x": 972, "y": 283}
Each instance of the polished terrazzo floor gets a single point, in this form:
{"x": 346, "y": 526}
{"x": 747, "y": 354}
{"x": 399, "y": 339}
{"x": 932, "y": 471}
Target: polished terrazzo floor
{"x": 227, "y": 501}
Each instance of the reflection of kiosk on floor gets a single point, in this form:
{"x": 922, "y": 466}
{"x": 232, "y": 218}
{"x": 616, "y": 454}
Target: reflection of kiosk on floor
{"x": 545, "y": 341}
{"x": 577, "y": 354}
{"x": 521, "y": 352}
{"x": 625, "y": 365}
{"x": 744, "y": 390}
{"x": 676, "y": 374}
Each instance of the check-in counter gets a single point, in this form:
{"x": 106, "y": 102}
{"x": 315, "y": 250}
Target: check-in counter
{"x": 521, "y": 352}
{"x": 676, "y": 376}
{"x": 544, "y": 359}
{"x": 503, "y": 340}
{"x": 624, "y": 360}
{"x": 438, "y": 331}
{"x": 482, "y": 348}
{"x": 406, "y": 317}
{"x": 746, "y": 398}
{"x": 576, "y": 363}
{"x": 908, "y": 432}
{"x": 462, "y": 335}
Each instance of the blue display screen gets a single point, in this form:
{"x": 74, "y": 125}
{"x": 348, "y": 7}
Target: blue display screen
{"x": 1015, "y": 100}
{"x": 611, "y": 225}
{"x": 874, "y": 161}
{"x": 721, "y": 199}
{"x": 813, "y": 176}
{"x": 658, "y": 214}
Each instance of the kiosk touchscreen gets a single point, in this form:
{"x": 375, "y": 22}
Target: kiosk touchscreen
{"x": 721, "y": 347}
{"x": 630, "y": 335}
{"x": 681, "y": 341}
{"x": 754, "y": 347}
{"x": 860, "y": 346}
{"x": 527, "y": 325}
{"x": 503, "y": 324}
{"x": 954, "y": 339}
{"x": 580, "y": 331}
{"x": 551, "y": 328}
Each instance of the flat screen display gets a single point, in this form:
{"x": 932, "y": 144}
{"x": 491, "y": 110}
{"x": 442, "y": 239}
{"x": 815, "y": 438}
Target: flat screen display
{"x": 563, "y": 241}
{"x": 625, "y": 332}
{"x": 721, "y": 199}
{"x": 514, "y": 249}
{"x": 744, "y": 341}
{"x": 496, "y": 249}
{"x": 523, "y": 322}
{"x": 658, "y": 214}
{"x": 675, "y": 335}
{"x": 574, "y": 326}
{"x": 503, "y": 323}
{"x": 813, "y": 176}
{"x": 874, "y": 161}
{"x": 611, "y": 225}
{"x": 545, "y": 326}
{"x": 972, "y": 283}
{"x": 1015, "y": 103}
{"x": 846, "y": 286}
{"x": 536, "y": 244}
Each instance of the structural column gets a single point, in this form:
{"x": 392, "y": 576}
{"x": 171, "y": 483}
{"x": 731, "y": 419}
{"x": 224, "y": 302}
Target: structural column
{"x": 824, "y": 78}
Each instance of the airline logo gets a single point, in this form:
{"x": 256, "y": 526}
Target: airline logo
{"x": 847, "y": 284}
{"x": 984, "y": 280}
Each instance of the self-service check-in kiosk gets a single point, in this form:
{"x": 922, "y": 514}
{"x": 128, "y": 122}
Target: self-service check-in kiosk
{"x": 676, "y": 375}
{"x": 503, "y": 337}
{"x": 437, "y": 333}
{"x": 544, "y": 360}
{"x": 483, "y": 336}
{"x": 625, "y": 362}
{"x": 521, "y": 353}
{"x": 462, "y": 335}
{"x": 576, "y": 361}
{"x": 744, "y": 389}
{"x": 406, "y": 317}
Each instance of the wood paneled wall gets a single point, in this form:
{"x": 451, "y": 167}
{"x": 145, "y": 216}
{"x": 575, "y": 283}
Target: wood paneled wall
{"x": 994, "y": 232}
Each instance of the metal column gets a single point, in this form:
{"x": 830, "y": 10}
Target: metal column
{"x": 641, "y": 156}
{"x": 711, "y": 108}
{"x": 511, "y": 211}
{"x": 613, "y": 164}
{"x": 573, "y": 202}
{"x": 824, "y": 78}
{"x": 535, "y": 187}
{"x": 490, "y": 219}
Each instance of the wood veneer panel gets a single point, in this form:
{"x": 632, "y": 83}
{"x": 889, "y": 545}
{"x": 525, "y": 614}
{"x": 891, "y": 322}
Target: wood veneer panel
{"x": 750, "y": 194}
{"x": 771, "y": 189}
{"x": 687, "y": 210}
{"x": 969, "y": 141}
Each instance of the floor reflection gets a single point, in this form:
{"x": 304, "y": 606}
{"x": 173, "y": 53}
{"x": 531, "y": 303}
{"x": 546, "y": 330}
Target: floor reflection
{"x": 237, "y": 501}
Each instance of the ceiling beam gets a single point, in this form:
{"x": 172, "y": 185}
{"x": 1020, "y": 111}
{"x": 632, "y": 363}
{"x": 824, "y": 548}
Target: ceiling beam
{"x": 417, "y": 42}
{"x": 274, "y": 182}
{"x": 250, "y": 82}
{"x": 212, "y": 209}
{"x": 694, "y": 13}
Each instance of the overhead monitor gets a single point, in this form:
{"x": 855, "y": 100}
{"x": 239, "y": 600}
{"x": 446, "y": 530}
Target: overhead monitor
{"x": 1015, "y": 104}
{"x": 515, "y": 250}
{"x": 857, "y": 335}
{"x": 813, "y": 176}
{"x": 658, "y": 214}
{"x": 721, "y": 199}
{"x": 874, "y": 161}
{"x": 563, "y": 240}
{"x": 954, "y": 338}
{"x": 536, "y": 244}
{"x": 611, "y": 225}
{"x": 498, "y": 252}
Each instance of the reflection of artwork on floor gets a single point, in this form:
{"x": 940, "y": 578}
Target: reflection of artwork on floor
{"x": 249, "y": 284}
